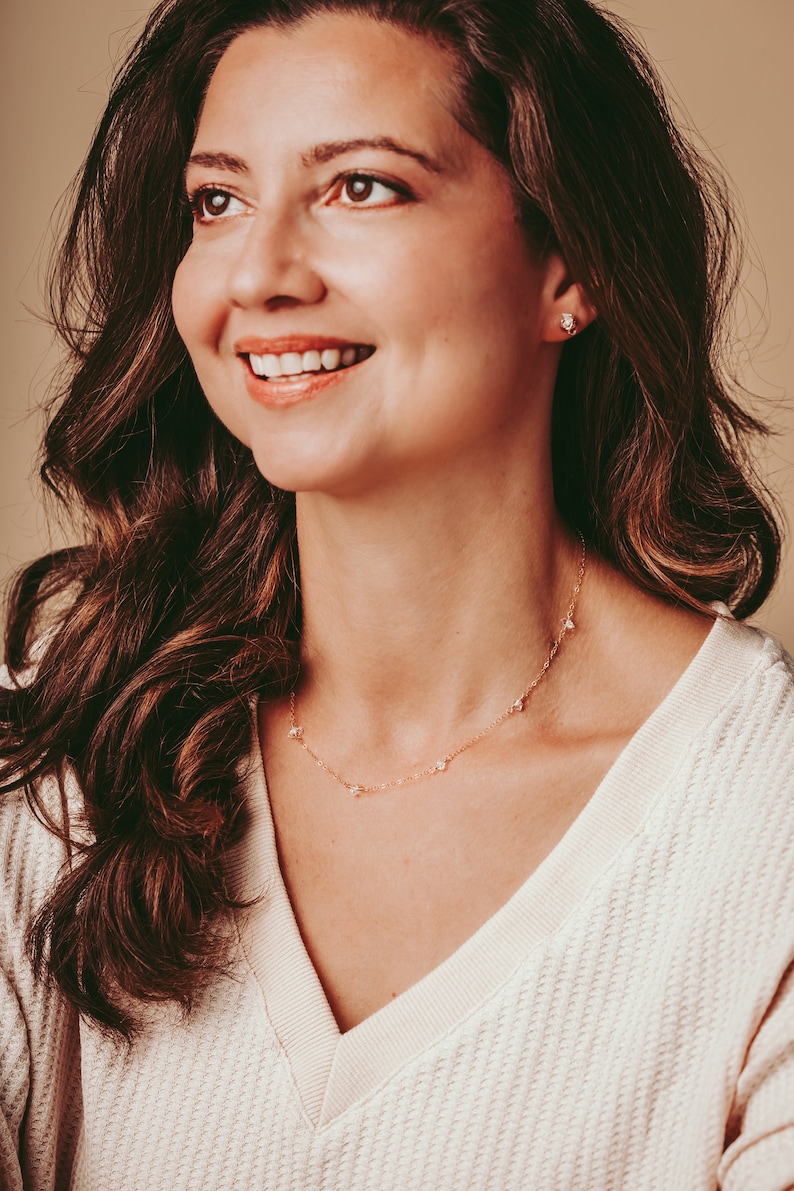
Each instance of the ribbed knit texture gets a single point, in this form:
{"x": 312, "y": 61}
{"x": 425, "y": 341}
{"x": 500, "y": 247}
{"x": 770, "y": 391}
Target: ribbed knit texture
{"x": 624, "y": 1023}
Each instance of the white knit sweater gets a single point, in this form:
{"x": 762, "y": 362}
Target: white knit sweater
{"x": 624, "y": 1023}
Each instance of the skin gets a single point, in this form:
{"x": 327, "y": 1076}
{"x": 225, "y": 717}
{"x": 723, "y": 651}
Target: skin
{"x": 434, "y": 567}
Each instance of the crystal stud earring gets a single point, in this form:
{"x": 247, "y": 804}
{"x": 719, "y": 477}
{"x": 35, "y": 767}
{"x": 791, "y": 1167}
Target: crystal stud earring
{"x": 569, "y": 324}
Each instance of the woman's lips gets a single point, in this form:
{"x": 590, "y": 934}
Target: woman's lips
{"x": 295, "y": 368}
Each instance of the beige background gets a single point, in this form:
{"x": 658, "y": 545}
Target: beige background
{"x": 727, "y": 62}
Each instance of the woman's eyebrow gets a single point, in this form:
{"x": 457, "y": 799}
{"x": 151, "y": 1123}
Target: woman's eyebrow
{"x": 320, "y": 154}
{"x": 330, "y": 149}
{"x": 219, "y": 161}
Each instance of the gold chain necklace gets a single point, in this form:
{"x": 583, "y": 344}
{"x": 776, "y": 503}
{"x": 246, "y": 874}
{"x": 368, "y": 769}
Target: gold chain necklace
{"x": 356, "y": 788}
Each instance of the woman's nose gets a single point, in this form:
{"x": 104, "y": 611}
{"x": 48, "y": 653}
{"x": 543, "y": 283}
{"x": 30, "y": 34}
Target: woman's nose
{"x": 274, "y": 266}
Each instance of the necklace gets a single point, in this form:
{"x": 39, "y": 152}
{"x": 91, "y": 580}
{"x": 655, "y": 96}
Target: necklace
{"x": 517, "y": 706}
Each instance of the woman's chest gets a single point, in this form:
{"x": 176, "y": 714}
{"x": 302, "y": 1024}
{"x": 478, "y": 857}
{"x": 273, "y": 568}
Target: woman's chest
{"x": 385, "y": 887}
{"x": 574, "y": 1076}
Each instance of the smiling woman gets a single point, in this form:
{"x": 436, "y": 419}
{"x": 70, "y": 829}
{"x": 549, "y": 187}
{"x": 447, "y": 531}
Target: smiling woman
{"x": 395, "y": 721}
{"x": 358, "y": 243}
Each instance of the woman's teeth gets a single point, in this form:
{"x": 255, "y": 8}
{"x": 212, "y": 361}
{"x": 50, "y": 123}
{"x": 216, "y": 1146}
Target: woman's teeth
{"x": 293, "y": 364}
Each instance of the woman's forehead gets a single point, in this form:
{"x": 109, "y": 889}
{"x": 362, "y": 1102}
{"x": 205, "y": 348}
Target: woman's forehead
{"x": 333, "y": 76}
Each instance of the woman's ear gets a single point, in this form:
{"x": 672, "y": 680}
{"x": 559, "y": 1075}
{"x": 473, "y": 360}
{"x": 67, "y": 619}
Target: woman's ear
{"x": 566, "y": 309}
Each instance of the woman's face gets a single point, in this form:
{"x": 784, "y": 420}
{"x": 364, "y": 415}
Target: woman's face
{"x": 351, "y": 236}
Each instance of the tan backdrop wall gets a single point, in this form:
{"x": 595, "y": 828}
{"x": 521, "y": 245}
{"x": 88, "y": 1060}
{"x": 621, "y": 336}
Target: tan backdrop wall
{"x": 727, "y": 61}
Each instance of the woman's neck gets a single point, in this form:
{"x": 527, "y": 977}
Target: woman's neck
{"x": 426, "y": 609}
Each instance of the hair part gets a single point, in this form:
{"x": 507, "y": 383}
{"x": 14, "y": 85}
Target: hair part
{"x": 183, "y": 601}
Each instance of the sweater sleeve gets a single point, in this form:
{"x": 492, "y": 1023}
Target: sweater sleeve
{"x": 761, "y": 1158}
{"x": 14, "y": 1084}
{"x": 40, "y": 1090}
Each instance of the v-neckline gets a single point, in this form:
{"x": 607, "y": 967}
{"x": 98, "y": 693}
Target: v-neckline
{"x": 333, "y": 1070}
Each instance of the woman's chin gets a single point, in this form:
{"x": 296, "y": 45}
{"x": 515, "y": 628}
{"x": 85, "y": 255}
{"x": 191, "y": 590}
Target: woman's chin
{"x": 320, "y": 472}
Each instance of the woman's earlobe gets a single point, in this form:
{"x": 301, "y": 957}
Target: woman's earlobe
{"x": 569, "y": 319}
{"x": 568, "y": 310}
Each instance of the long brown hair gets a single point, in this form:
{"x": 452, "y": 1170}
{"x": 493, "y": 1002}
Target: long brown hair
{"x": 182, "y": 604}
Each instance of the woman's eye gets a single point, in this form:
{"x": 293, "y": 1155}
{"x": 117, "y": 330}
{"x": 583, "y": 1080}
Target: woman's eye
{"x": 365, "y": 191}
{"x": 209, "y": 204}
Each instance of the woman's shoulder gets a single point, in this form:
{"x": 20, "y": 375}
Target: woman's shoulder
{"x": 749, "y": 676}
{"x": 737, "y": 821}
{"x": 39, "y": 1035}
{"x": 36, "y": 818}
{"x": 32, "y": 859}
{"x": 33, "y": 824}
{"x": 31, "y": 854}
{"x": 643, "y": 660}
{"x": 708, "y": 783}
{"x": 723, "y": 813}
{"x": 730, "y": 719}
{"x": 669, "y": 678}
{"x": 39, "y": 1032}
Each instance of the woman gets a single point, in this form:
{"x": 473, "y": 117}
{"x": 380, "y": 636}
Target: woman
{"x": 513, "y": 908}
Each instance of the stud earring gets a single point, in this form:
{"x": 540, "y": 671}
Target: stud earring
{"x": 569, "y": 324}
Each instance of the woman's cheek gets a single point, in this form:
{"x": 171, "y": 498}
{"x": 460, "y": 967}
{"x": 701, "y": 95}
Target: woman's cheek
{"x": 199, "y": 316}
{"x": 186, "y": 303}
